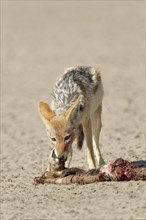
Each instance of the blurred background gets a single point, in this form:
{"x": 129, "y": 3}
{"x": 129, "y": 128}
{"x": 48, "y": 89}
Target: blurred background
{"x": 41, "y": 38}
{"x": 38, "y": 40}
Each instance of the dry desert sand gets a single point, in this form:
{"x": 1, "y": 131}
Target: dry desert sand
{"x": 39, "y": 39}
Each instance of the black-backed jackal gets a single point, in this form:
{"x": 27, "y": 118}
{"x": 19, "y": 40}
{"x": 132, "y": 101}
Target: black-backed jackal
{"x": 75, "y": 112}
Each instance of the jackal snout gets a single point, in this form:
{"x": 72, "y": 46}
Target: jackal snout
{"x": 61, "y": 158}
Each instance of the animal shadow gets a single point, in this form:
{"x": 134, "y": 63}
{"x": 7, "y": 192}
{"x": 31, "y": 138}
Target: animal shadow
{"x": 140, "y": 163}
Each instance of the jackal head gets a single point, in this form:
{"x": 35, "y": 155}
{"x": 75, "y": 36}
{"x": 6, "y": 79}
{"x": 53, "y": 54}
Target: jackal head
{"x": 62, "y": 129}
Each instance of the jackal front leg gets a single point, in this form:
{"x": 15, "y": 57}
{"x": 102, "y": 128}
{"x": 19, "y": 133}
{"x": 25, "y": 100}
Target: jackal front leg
{"x": 96, "y": 125}
{"x": 68, "y": 161}
{"x": 90, "y": 154}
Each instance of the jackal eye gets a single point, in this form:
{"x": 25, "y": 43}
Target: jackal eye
{"x": 53, "y": 139}
{"x": 67, "y": 138}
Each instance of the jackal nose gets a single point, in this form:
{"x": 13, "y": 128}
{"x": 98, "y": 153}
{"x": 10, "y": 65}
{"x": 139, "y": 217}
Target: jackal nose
{"x": 61, "y": 157}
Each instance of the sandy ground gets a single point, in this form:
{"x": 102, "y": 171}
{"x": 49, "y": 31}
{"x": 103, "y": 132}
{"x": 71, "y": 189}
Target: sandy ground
{"x": 39, "y": 39}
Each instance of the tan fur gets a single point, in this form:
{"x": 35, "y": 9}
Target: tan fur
{"x": 46, "y": 111}
{"x": 60, "y": 132}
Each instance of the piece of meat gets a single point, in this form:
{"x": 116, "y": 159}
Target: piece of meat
{"x": 115, "y": 170}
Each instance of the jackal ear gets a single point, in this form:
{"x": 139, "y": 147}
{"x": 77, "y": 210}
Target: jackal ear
{"x": 74, "y": 113}
{"x": 45, "y": 111}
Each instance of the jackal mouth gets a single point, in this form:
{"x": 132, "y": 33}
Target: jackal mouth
{"x": 59, "y": 162}
{"x": 58, "y": 166}
{"x": 53, "y": 154}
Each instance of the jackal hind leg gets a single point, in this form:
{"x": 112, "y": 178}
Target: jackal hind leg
{"x": 96, "y": 127}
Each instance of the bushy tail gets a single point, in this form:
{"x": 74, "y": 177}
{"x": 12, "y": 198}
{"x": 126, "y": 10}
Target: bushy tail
{"x": 80, "y": 137}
